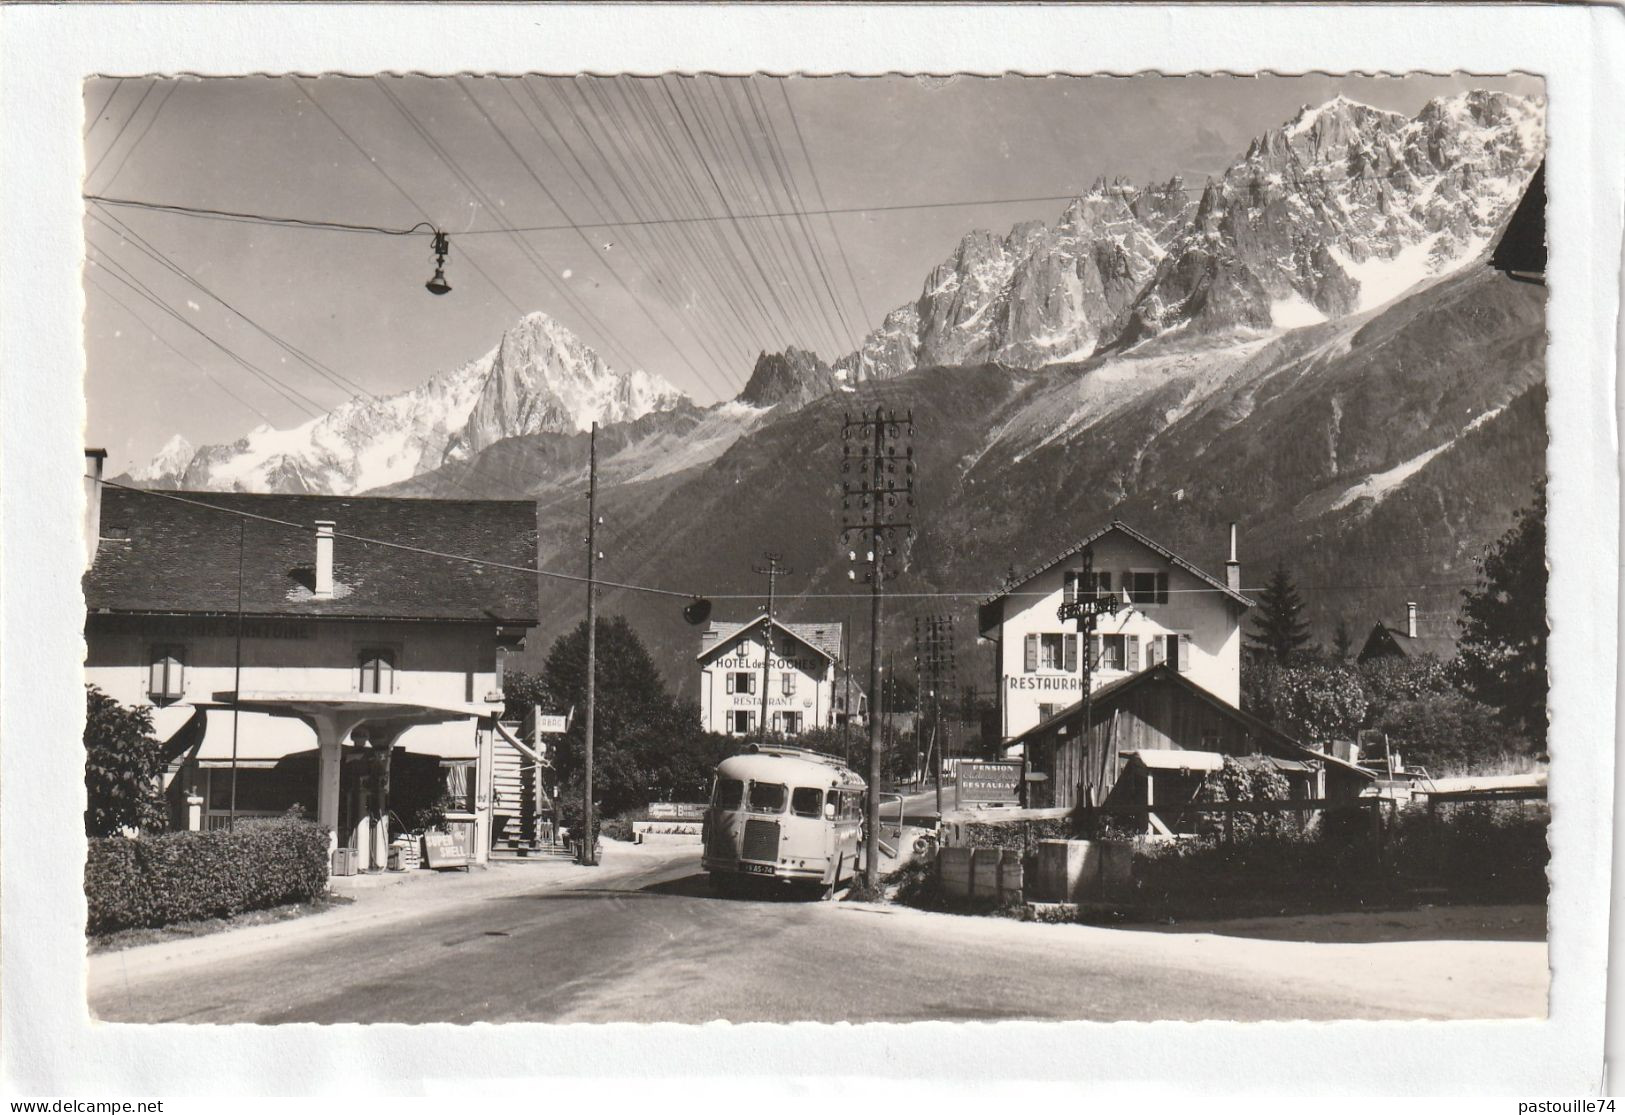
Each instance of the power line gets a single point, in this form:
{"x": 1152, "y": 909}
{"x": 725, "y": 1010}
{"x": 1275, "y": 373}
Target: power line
{"x": 96, "y": 117}
{"x": 337, "y": 379}
{"x": 531, "y": 255}
{"x": 95, "y": 280}
{"x": 626, "y": 586}
{"x": 714, "y": 346}
{"x": 465, "y": 558}
{"x": 257, "y": 218}
{"x": 554, "y": 201}
{"x": 702, "y": 218}
{"x": 372, "y": 162}
{"x": 287, "y": 391}
{"x": 158, "y": 110}
{"x": 818, "y": 191}
{"x": 145, "y": 93}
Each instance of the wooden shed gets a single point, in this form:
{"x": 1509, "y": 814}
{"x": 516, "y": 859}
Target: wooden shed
{"x": 1153, "y": 739}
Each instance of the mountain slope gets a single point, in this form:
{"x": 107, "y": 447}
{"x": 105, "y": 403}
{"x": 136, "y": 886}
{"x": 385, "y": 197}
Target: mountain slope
{"x": 1374, "y": 456}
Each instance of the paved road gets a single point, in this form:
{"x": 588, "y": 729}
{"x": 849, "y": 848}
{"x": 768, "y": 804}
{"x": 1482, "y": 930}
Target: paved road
{"x": 641, "y": 939}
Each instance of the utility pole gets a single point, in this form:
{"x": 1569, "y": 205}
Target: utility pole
{"x": 1086, "y": 604}
{"x": 877, "y": 501}
{"x": 587, "y": 856}
{"x": 934, "y": 665}
{"x": 773, "y": 571}
{"x": 236, "y": 679}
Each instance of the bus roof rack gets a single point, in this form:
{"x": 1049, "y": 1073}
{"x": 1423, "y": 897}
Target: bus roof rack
{"x": 792, "y": 752}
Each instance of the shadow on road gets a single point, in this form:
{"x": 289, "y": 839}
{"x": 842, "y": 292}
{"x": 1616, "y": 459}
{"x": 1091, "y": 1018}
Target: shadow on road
{"x": 699, "y": 886}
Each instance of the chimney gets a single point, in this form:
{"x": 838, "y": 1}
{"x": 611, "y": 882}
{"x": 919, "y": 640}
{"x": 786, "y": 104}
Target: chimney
{"x": 94, "y": 460}
{"x": 1232, "y": 565}
{"x": 1410, "y": 618}
{"x": 324, "y": 559}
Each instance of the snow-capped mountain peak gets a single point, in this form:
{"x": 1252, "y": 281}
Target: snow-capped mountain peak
{"x": 540, "y": 378}
{"x": 170, "y": 460}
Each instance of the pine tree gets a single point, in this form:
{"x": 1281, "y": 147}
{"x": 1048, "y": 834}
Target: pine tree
{"x": 1280, "y": 630}
{"x": 1503, "y": 625}
{"x": 1342, "y": 641}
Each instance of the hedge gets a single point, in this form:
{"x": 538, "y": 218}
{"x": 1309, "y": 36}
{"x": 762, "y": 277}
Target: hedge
{"x": 175, "y": 877}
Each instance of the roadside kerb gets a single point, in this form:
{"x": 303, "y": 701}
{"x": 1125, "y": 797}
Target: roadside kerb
{"x": 407, "y": 896}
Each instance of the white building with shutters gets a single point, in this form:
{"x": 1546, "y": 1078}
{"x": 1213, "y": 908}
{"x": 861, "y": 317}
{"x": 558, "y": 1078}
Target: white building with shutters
{"x": 806, "y": 685}
{"x": 1170, "y": 611}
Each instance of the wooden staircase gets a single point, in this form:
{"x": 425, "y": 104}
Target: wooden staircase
{"x": 521, "y": 825}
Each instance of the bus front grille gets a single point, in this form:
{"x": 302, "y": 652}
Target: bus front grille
{"x": 761, "y": 840}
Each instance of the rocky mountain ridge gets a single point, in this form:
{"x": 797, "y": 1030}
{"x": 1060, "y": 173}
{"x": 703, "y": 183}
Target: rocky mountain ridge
{"x": 1339, "y": 209}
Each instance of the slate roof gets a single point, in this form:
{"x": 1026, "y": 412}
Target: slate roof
{"x": 161, "y": 555}
{"x": 1078, "y": 547}
{"x": 825, "y": 638}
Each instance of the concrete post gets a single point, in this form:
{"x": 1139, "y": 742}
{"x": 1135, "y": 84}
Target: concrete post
{"x": 330, "y": 733}
{"x": 194, "y": 813}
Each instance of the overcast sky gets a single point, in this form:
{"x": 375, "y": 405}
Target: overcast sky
{"x": 694, "y": 302}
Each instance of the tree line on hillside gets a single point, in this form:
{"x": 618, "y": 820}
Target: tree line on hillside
{"x": 1486, "y": 707}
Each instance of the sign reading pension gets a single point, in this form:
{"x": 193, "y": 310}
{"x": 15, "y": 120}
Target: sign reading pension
{"x": 988, "y": 783}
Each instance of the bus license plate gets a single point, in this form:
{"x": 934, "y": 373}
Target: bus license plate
{"x": 756, "y": 868}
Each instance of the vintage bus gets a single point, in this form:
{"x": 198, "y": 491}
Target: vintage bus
{"x": 783, "y": 815}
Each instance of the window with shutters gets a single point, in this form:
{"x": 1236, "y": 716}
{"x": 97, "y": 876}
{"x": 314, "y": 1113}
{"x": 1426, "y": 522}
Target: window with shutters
{"x": 166, "y": 679}
{"x": 1146, "y": 587}
{"x": 1172, "y": 648}
{"x": 377, "y": 670}
{"x": 787, "y": 684}
{"x": 1073, "y": 585}
{"x": 742, "y": 681}
{"x": 1049, "y": 652}
{"x": 1117, "y": 652}
{"x": 1045, "y": 711}
{"x": 742, "y": 722}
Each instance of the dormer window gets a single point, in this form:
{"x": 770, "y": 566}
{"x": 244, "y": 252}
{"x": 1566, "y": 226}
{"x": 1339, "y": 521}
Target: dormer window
{"x": 166, "y": 679}
{"x": 377, "y": 670}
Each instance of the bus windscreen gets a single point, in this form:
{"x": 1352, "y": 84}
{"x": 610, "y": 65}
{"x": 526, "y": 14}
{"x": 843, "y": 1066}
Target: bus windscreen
{"x": 767, "y": 797}
{"x": 730, "y": 792}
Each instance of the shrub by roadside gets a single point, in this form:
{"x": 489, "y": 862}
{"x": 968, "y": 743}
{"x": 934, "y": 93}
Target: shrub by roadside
{"x": 188, "y": 876}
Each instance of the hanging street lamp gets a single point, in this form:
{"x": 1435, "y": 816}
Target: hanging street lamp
{"x": 438, "y": 284}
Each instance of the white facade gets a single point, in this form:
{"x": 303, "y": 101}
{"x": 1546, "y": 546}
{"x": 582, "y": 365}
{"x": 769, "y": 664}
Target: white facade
{"x": 328, "y": 684}
{"x": 801, "y": 683}
{"x": 1172, "y": 615}
{"x": 426, "y": 661}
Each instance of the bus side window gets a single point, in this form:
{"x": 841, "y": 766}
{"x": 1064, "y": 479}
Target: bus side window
{"x": 729, "y": 793}
{"x": 807, "y": 802}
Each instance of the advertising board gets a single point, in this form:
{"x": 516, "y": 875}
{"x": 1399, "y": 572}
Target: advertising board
{"x": 448, "y": 849}
{"x": 988, "y": 783}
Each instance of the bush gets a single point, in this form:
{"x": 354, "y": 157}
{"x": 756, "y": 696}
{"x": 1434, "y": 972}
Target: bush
{"x": 1486, "y": 849}
{"x": 188, "y": 876}
{"x": 122, "y": 766}
{"x": 616, "y": 828}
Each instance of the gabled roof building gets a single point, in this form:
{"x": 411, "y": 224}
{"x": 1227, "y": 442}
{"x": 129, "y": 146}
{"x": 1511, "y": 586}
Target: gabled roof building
{"x": 1170, "y": 612}
{"x": 339, "y": 654}
{"x": 805, "y": 682}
